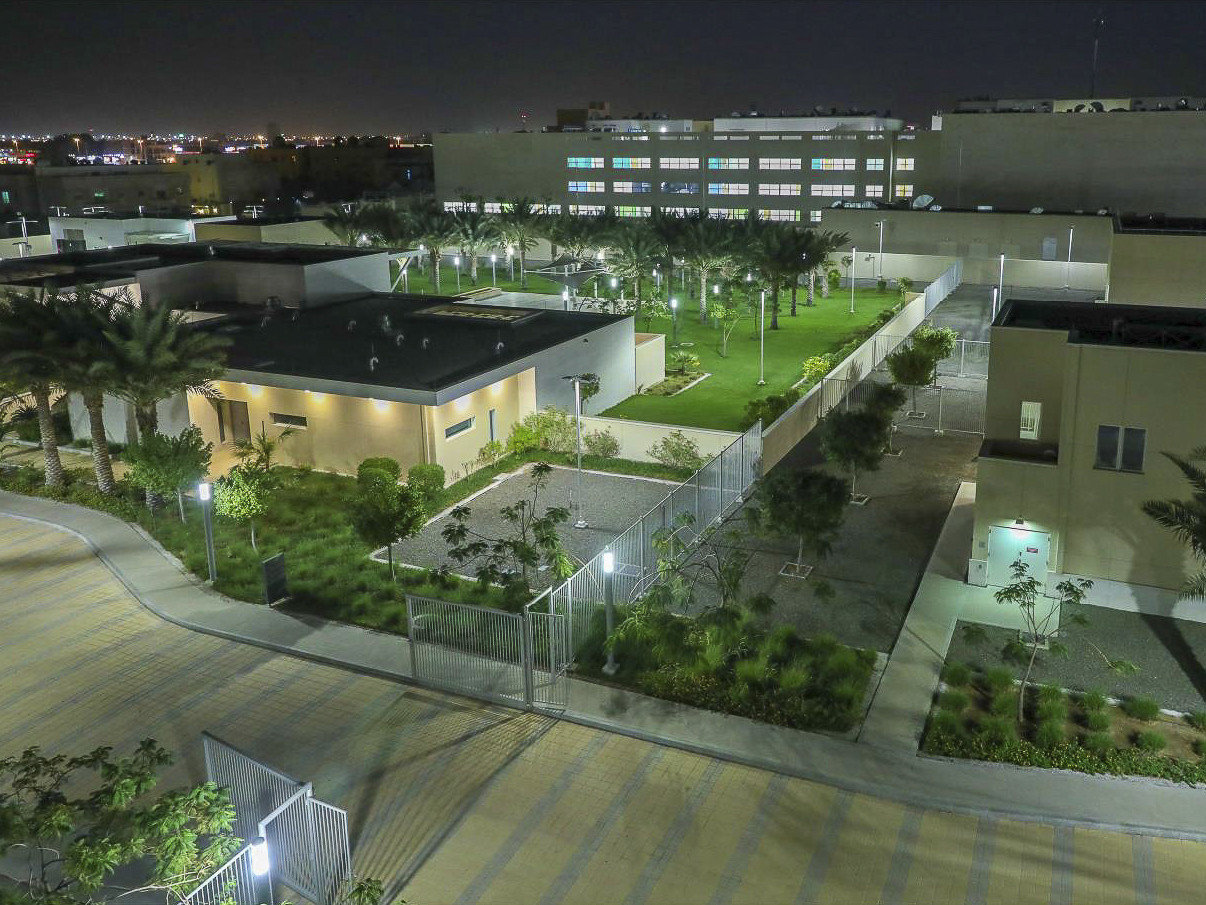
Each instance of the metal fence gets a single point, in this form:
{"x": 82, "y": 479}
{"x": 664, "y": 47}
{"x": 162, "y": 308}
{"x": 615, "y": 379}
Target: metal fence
{"x": 509, "y": 657}
{"x": 970, "y": 359}
{"x": 234, "y": 883}
{"x": 307, "y": 839}
{"x": 935, "y": 409}
{"x": 946, "y": 283}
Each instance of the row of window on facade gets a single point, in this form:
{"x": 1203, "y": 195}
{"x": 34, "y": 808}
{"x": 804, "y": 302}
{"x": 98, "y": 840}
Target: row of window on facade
{"x": 820, "y": 164}
{"x": 627, "y": 210}
{"x": 1118, "y": 448}
{"x": 779, "y": 189}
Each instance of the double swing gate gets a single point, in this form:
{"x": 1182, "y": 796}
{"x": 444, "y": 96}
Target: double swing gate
{"x": 305, "y": 840}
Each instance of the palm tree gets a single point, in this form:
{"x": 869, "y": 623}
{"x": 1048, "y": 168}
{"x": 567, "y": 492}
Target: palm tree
{"x": 348, "y": 223}
{"x": 475, "y": 232}
{"x": 817, "y": 249}
{"x": 634, "y": 253}
{"x": 1187, "y": 518}
{"x": 31, "y": 341}
{"x": 775, "y": 252}
{"x": 89, "y": 366}
{"x": 386, "y": 227}
{"x": 707, "y": 245}
{"x": 520, "y": 224}
{"x": 435, "y": 228}
{"x": 158, "y": 355}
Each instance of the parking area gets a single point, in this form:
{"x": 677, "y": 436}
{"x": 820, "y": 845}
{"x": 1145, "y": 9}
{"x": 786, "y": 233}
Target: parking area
{"x": 611, "y": 503}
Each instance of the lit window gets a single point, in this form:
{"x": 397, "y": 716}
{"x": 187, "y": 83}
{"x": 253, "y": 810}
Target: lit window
{"x": 282, "y": 420}
{"x": 591, "y": 209}
{"x": 632, "y": 188}
{"x": 1120, "y": 448}
{"x": 728, "y": 188}
{"x": 778, "y": 188}
{"x": 780, "y": 163}
{"x": 833, "y": 163}
{"x": 875, "y": 163}
{"x": 492, "y": 207}
{"x": 1031, "y": 421}
{"x": 584, "y": 163}
{"x": 459, "y": 428}
{"x": 825, "y": 190}
{"x": 680, "y": 188}
{"x": 625, "y": 210}
{"x": 904, "y": 191}
{"x": 906, "y": 163}
{"x": 728, "y": 163}
{"x": 459, "y": 206}
{"x": 578, "y": 188}
{"x": 779, "y": 216}
{"x": 729, "y": 213}
{"x": 630, "y": 163}
{"x": 814, "y": 216}
{"x": 680, "y": 211}
{"x": 875, "y": 191}
{"x": 679, "y": 163}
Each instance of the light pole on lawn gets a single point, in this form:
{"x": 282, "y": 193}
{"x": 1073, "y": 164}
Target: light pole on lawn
{"x": 853, "y": 261}
{"x": 577, "y": 505}
{"x": 762, "y": 341}
{"x": 1068, "y": 269}
{"x": 494, "y": 270}
{"x": 880, "y": 264}
{"x": 205, "y": 496}
{"x": 511, "y": 261}
{"x": 673, "y": 322}
{"x": 457, "y": 260}
{"x": 609, "y": 568}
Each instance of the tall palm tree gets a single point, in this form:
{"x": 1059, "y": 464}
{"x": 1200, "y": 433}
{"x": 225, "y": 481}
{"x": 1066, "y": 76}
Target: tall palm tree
{"x": 707, "y": 245}
{"x": 386, "y": 227}
{"x": 1187, "y": 518}
{"x": 31, "y": 341}
{"x": 634, "y": 254}
{"x": 89, "y": 366}
{"x": 817, "y": 249}
{"x": 775, "y": 253}
{"x": 475, "y": 232}
{"x": 158, "y": 356}
{"x": 435, "y": 228}
{"x": 520, "y": 224}
{"x": 348, "y": 223}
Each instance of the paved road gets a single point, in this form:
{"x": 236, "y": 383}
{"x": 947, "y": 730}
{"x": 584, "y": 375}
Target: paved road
{"x": 453, "y": 801}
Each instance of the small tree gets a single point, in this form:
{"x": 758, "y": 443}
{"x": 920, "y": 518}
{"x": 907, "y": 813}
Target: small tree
{"x": 427, "y": 480}
{"x": 70, "y": 825}
{"x": 807, "y": 505}
{"x": 1041, "y": 623}
{"x": 938, "y": 343}
{"x": 727, "y": 315}
{"x": 677, "y": 450}
{"x": 912, "y": 367}
{"x": 1187, "y": 518}
{"x": 883, "y": 401}
{"x": 769, "y": 409}
{"x": 904, "y": 286}
{"x": 259, "y": 452}
{"x": 242, "y": 496}
{"x": 854, "y": 441}
{"x": 601, "y": 443}
{"x": 530, "y": 541}
{"x": 385, "y": 511}
{"x": 165, "y": 465}
{"x": 588, "y": 388}
{"x": 684, "y": 362}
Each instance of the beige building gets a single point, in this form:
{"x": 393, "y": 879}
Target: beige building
{"x": 1082, "y": 399}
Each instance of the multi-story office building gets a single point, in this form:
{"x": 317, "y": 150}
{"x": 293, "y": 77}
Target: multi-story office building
{"x": 1082, "y": 401}
{"x": 786, "y": 168}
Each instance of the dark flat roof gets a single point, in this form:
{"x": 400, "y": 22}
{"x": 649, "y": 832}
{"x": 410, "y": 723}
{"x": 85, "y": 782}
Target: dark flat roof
{"x": 1089, "y": 323}
{"x": 68, "y": 268}
{"x": 418, "y": 346}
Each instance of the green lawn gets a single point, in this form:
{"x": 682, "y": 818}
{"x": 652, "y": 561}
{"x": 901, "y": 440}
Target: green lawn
{"x": 719, "y": 401}
{"x": 420, "y": 281}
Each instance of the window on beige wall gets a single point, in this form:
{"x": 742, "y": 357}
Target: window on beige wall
{"x": 459, "y": 428}
{"x": 1032, "y": 416}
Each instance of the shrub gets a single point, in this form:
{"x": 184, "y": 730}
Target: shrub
{"x": 1199, "y": 747}
{"x": 1050, "y": 734}
{"x": 1097, "y": 720}
{"x": 1100, "y": 743}
{"x": 1197, "y": 719}
{"x": 881, "y": 285}
{"x": 428, "y": 482}
{"x": 998, "y": 730}
{"x": 677, "y": 450}
{"x": 684, "y": 362}
{"x": 954, "y": 700}
{"x": 1145, "y": 709}
{"x": 904, "y": 285}
{"x": 1004, "y": 703}
{"x": 1093, "y": 700}
{"x": 769, "y": 409}
{"x": 957, "y": 674}
{"x": 490, "y": 453}
{"x": 817, "y": 367}
{"x": 601, "y": 443}
{"x": 1052, "y": 711}
{"x": 997, "y": 680}
{"x": 1151, "y": 741}
{"x": 946, "y": 722}
{"x": 550, "y": 428}
{"x": 379, "y": 463}
{"x": 834, "y": 278}
{"x": 1048, "y": 693}
{"x": 794, "y": 678}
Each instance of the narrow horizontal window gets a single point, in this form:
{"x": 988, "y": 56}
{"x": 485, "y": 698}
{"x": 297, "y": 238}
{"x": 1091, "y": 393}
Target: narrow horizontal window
{"x": 282, "y": 420}
{"x": 459, "y": 428}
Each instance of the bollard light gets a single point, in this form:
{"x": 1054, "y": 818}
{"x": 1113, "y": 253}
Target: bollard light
{"x": 259, "y": 856}
{"x": 204, "y": 491}
{"x": 609, "y": 562}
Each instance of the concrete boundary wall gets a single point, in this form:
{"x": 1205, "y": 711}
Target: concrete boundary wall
{"x": 794, "y": 424}
{"x": 1020, "y": 273}
{"x": 637, "y": 436}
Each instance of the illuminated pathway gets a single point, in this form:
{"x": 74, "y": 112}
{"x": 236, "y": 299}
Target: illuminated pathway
{"x": 453, "y": 801}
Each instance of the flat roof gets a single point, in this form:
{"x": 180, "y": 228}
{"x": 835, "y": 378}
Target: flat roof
{"x": 1089, "y": 323}
{"x": 416, "y": 341}
{"x": 69, "y": 268}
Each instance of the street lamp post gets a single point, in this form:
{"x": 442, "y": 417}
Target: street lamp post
{"x": 511, "y": 261}
{"x": 853, "y": 262}
{"x": 581, "y": 522}
{"x": 565, "y": 298}
{"x": 494, "y": 270}
{"x": 995, "y": 299}
{"x": 24, "y": 243}
{"x": 609, "y": 568}
{"x": 205, "y": 495}
{"x": 762, "y": 341}
{"x": 1001, "y": 279}
{"x": 1068, "y": 269}
{"x": 880, "y": 265}
{"x": 673, "y": 322}
{"x": 457, "y": 260}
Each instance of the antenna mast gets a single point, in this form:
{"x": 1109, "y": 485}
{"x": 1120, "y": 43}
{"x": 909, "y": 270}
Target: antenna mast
{"x": 1098, "y": 22}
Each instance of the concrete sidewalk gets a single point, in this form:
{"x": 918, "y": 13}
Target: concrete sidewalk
{"x": 892, "y": 771}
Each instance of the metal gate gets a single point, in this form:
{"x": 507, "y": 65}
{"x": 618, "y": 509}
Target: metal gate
{"x": 514, "y": 658}
{"x": 307, "y": 839}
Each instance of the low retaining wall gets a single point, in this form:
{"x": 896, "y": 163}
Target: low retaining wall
{"x": 637, "y": 436}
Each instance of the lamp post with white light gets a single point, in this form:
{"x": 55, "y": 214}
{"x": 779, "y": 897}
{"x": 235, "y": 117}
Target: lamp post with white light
{"x": 1001, "y": 279}
{"x": 205, "y": 495}
{"x": 577, "y": 502}
{"x": 762, "y": 341}
{"x": 261, "y": 865}
{"x": 879, "y": 267}
{"x": 609, "y": 569}
{"x": 493, "y": 270}
{"x": 1068, "y": 269}
{"x": 457, "y": 260}
{"x": 673, "y": 322}
{"x": 853, "y": 261}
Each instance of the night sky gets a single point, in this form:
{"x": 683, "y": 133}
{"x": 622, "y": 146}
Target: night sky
{"x": 377, "y": 67}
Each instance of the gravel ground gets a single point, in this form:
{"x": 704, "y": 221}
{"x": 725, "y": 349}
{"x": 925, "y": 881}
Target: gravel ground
{"x": 612, "y": 503}
{"x": 1167, "y": 652}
